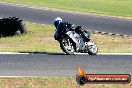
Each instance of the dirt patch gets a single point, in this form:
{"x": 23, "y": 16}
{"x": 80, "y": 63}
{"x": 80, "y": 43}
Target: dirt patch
{"x": 52, "y": 82}
{"x": 113, "y": 43}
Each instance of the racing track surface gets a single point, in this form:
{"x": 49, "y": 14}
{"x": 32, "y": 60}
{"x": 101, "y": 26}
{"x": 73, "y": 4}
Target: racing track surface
{"x": 47, "y": 64}
{"x": 88, "y": 21}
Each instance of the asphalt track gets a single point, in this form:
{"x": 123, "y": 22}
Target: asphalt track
{"x": 49, "y": 64}
{"x": 88, "y": 21}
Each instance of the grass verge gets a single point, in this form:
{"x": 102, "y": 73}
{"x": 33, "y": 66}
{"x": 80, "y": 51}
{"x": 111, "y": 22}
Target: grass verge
{"x": 40, "y": 39}
{"x": 52, "y": 82}
{"x": 109, "y": 7}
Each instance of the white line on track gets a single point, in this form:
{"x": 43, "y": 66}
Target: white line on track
{"x": 114, "y": 53}
{"x": 12, "y": 53}
{"x": 75, "y": 53}
{"x": 106, "y": 54}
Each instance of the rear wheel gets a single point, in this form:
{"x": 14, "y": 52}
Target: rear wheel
{"x": 67, "y": 46}
{"x": 22, "y": 27}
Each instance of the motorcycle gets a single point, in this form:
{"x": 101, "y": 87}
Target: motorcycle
{"x": 72, "y": 42}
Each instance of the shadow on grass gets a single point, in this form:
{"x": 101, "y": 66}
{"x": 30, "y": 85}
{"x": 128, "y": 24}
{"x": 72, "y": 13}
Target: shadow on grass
{"x": 47, "y": 53}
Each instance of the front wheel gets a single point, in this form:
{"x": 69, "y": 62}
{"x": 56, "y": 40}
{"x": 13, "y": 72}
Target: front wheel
{"x": 67, "y": 45}
{"x": 92, "y": 49}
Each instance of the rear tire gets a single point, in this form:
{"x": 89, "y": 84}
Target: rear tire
{"x": 22, "y": 28}
{"x": 67, "y": 46}
{"x": 11, "y": 26}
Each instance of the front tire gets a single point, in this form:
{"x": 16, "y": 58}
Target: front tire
{"x": 67, "y": 46}
{"x": 92, "y": 50}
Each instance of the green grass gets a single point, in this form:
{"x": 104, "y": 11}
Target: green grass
{"x": 39, "y": 38}
{"x": 109, "y": 7}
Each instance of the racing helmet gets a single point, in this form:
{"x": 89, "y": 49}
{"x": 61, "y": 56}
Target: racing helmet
{"x": 57, "y": 21}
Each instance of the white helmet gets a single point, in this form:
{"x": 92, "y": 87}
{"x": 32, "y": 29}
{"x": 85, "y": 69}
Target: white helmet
{"x": 57, "y": 21}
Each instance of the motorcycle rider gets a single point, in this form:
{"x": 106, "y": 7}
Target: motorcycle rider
{"x": 59, "y": 24}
